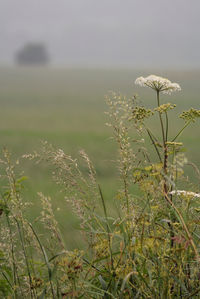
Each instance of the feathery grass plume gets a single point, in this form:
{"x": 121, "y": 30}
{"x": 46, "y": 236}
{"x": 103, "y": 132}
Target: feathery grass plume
{"x": 121, "y": 111}
{"x": 47, "y": 218}
{"x": 14, "y": 233}
{"x": 23, "y": 265}
{"x": 68, "y": 174}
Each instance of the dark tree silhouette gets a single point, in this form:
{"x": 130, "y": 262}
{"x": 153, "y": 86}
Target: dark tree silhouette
{"x": 32, "y": 54}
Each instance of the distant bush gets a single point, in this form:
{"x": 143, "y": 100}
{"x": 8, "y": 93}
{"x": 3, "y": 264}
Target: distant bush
{"x": 147, "y": 248}
{"x": 32, "y": 54}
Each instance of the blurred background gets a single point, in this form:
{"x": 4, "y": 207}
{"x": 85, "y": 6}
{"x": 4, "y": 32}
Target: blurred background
{"x": 106, "y": 33}
{"x": 58, "y": 59}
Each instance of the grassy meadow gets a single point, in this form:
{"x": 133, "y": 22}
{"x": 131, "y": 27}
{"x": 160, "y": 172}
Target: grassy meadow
{"x": 66, "y": 108}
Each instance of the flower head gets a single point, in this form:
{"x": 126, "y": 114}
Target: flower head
{"x": 184, "y": 193}
{"x": 190, "y": 115}
{"x": 165, "y": 107}
{"x": 158, "y": 83}
{"x": 140, "y": 113}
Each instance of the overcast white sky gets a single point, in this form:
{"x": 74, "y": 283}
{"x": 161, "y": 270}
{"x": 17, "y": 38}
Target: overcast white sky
{"x": 133, "y": 33}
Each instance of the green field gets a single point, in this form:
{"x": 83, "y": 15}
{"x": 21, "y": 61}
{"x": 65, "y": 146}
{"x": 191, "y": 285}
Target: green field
{"x": 66, "y": 108}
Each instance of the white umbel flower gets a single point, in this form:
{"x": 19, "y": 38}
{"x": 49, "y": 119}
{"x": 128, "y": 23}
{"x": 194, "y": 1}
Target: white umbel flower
{"x": 184, "y": 193}
{"x": 158, "y": 83}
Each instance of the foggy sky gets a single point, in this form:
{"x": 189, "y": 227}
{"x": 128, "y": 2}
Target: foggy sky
{"x": 125, "y": 33}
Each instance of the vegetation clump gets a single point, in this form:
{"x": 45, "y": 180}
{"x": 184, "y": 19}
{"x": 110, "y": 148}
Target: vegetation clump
{"x": 147, "y": 248}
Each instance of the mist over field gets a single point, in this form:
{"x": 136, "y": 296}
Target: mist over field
{"x": 107, "y": 33}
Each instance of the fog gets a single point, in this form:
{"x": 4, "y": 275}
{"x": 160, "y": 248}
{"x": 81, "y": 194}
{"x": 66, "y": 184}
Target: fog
{"x": 106, "y": 33}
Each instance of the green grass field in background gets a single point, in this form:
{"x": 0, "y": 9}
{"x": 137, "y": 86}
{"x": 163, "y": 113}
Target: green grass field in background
{"x": 66, "y": 108}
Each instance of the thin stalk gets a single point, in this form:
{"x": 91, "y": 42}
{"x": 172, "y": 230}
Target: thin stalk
{"x": 195, "y": 168}
{"x": 107, "y": 227}
{"x": 165, "y": 157}
{"x": 193, "y": 293}
{"x": 14, "y": 266}
{"x": 6, "y": 278}
{"x": 91, "y": 265}
{"x": 164, "y": 140}
{"x": 117, "y": 134}
{"x": 45, "y": 259}
{"x": 25, "y": 255}
{"x": 113, "y": 275}
{"x": 167, "y": 126}
{"x": 126, "y": 195}
{"x": 154, "y": 144}
{"x": 161, "y": 121}
{"x": 156, "y": 139}
{"x": 179, "y": 133}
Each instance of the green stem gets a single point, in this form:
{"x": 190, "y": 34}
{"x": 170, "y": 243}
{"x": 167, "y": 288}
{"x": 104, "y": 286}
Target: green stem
{"x": 14, "y": 264}
{"x": 25, "y": 255}
{"x": 107, "y": 227}
{"x": 45, "y": 259}
{"x": 164, "y": 140}
{"x": 167, "y": 126}
{"x": 189, "y": 121}
{"x": 155, "y": 146}
{"x": 161, "y": 121}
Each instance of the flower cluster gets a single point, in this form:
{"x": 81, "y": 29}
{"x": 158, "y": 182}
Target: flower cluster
{"x": 165, "y": 107}
{"x": 185, "y": 193}
{"x": 158, "y": 83}
{"x": 190, "y": 115}
{"x": 140, "y": 113}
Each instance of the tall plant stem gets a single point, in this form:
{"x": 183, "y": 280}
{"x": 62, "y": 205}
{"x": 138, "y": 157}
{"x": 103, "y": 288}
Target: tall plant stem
{"x": 164, "y": 141}
{"x": 179, "y": 133}
{"x": 167, "y": 125}
{"x": 45, "y": 259}
{"x": 154, "y": 144}
{"x": 14, "y": 267}
{"x": 107, "y": 227}
{"x": 161, "y": 121}
{"x": 25, "y": 255}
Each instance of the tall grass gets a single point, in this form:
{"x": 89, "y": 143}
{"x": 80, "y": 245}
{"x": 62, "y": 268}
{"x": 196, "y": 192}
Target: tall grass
{"x": 144, "y": 243}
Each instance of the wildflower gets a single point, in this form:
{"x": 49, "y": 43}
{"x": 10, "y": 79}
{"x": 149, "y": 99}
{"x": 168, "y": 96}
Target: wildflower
{"x": 158, "y": 83}
{"x": 190, "y": 114}
{"x": 185, "y": 193}
{"x": 140, "y": 113}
